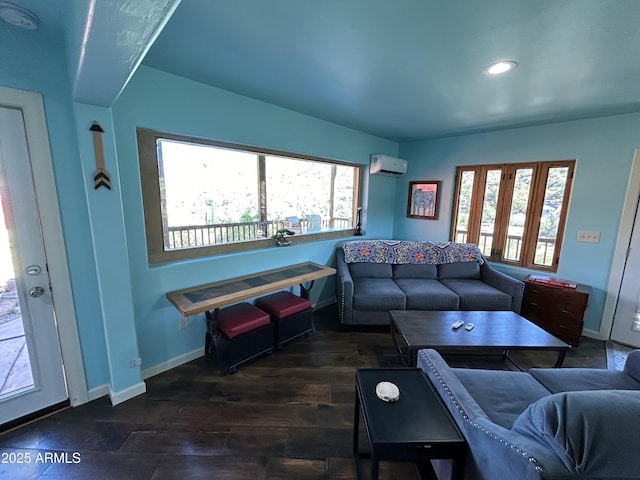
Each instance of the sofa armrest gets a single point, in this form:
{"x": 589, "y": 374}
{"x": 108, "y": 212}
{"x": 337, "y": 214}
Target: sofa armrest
{"x": 344, "y": 288}
{"x": 494, "y": 451}
{"x": 504, "y": 283}
{"x": 455, "y": 396}
{"x": 632, "y": 365}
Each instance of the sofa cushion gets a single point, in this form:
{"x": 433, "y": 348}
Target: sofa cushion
{"x": 370, "y": 270}
{"x": 571, "y": 379}
{"x": 587, "y": 429}
{"x": 632, "y": 365}
{"x": 459, "y": 270}
{"x": 377, "y": 294}
{"x": 477, "y": 295}
{"x": 423, "y": 294}
{"x": 503, "y": 395}
{"x": 415, "y": 271}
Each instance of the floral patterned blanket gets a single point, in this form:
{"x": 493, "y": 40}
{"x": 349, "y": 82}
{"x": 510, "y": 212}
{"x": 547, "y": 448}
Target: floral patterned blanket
{"x": 404, "y": 251}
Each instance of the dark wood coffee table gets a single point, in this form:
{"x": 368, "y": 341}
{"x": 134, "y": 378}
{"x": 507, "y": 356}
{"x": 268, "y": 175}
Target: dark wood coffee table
{"x": 501, "y": 331}
{"x": 416, "y": 428}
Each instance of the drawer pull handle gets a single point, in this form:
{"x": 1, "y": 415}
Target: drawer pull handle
{"x": 565, "y": 311}
{"x": 533, "y": 304}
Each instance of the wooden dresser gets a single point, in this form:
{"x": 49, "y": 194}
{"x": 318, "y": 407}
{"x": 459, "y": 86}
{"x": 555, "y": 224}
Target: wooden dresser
{"x": 557, "y": 309}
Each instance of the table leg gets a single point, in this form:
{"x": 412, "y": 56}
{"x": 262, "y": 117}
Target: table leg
{"x": 413, "y": 357}
{"x": 356, "y": 442}
{"x": 404, "y": 360}
{"x": 211, "y": 340}
{"x": 560, "y": 361}
{"x": 356, "y": 434}
{"x": 356, "y": 426}
{"x": 375, "y": 464}
{"x": 304, "y": 291}
{"x": 457, "y": 469}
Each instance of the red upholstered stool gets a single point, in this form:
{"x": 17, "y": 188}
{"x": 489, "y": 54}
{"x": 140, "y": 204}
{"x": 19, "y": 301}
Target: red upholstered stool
{"x": 290, "y": 314}
{"x": 239, "y": 333}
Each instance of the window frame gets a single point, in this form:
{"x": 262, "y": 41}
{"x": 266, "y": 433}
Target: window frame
{"x": 152, "y": 203}
{"x": 535, "y": 205}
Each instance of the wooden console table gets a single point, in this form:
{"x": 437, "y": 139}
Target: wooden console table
{"x": 212, "y": 296}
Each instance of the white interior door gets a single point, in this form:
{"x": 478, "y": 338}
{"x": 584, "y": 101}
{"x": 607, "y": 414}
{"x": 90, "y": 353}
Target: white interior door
{"x": 626, "y": 321}
{"x": 32, "y": 371}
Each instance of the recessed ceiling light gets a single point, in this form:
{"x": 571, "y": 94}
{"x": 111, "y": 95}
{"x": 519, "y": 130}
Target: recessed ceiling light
{"x": 18, "y": 16}
{"x": 500, "y": 67}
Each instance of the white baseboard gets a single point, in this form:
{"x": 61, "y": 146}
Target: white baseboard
{"x": 172, "y": 363}
{"x": 324, "y": 303}
{"x": 98, "y": 392}
{"x": 140, "y": 388}
{"x": 127, "y": 393}
{"x": 116, "y": 397}
{"x": 594, "y": 334}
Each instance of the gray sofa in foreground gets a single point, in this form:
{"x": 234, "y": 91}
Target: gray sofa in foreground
{"x": 376, "y": 276}
{"x": 551, "y": 423}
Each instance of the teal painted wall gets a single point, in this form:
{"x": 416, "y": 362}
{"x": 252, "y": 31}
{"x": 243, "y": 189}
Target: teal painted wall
{"x": 109, "y": 243}
{"x": 32, "y": 61}
{"x": 35, "y": 62}
{"x": 603, "y": 148}
{"x": 159, "y": 101}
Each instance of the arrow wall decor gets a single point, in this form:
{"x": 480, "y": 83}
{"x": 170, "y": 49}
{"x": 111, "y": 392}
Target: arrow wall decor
{"x": 100, "y": 176}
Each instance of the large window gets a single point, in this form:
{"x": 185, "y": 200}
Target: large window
{"x": 515, "y": 213}
{"x": 203, "y": 198}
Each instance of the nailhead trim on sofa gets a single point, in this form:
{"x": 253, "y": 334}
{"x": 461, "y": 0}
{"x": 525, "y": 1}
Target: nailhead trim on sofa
{"x": 464, "y": 415}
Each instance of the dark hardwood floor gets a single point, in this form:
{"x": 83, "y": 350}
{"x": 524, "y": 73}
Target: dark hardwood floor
{"x": 284, "y": 416}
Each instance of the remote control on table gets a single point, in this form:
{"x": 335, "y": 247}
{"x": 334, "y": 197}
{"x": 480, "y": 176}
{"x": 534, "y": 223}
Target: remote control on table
{"x": 457, "y": 324}
{"x": 469, "y": 326}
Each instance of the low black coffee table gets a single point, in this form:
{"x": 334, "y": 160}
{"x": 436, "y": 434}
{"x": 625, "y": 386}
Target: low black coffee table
{"x": 501, "y": 331}
{"x": 416, "y": 428}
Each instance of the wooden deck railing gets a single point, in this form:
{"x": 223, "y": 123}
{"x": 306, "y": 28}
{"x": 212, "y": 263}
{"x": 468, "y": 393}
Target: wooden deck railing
{"x": 202, "y": 235}
{"x": 544, "y": 249}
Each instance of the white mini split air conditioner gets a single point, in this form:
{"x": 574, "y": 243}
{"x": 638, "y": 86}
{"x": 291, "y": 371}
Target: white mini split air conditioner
{"x": 385, "y": 165}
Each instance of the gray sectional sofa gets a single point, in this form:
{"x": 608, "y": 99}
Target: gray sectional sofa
{"x": 376, "y": 276}
{"x": 555, "y": 423}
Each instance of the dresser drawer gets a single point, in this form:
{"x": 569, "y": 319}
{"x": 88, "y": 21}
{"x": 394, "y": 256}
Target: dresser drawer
{"x": 551, "y": 308}
{"x": 570, "y": 298}
{"x": 560, "y": 311}
{"x": 543, "y": 295}
{"x": 566, "y": 330}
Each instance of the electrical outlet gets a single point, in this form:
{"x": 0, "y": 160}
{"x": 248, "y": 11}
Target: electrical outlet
{"x": 184, "y": 322}
{"x": 136, "y": 362}
{"x": 588, "y": 236}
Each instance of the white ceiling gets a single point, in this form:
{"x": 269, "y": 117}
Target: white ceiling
{"x": 404, "y": 69}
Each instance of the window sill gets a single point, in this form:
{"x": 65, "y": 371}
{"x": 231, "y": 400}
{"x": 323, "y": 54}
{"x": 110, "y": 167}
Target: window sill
{"x": 223, "y": 249}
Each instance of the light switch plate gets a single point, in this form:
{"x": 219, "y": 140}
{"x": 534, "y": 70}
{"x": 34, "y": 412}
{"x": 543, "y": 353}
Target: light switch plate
{"x": 589, "y": 236}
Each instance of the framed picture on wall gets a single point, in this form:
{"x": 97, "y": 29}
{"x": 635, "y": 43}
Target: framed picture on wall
{"x": 423, "y": 200}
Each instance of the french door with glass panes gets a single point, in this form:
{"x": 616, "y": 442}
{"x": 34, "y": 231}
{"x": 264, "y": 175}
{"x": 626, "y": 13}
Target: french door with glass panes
{"x": 626, "y": 322}
{"x": 31, "y": 370}
{"x": 514, "y": 212}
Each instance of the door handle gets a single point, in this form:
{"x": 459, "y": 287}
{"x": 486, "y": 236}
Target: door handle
{"x": 33, "y": 270}
{"x": 35, "y": 292}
